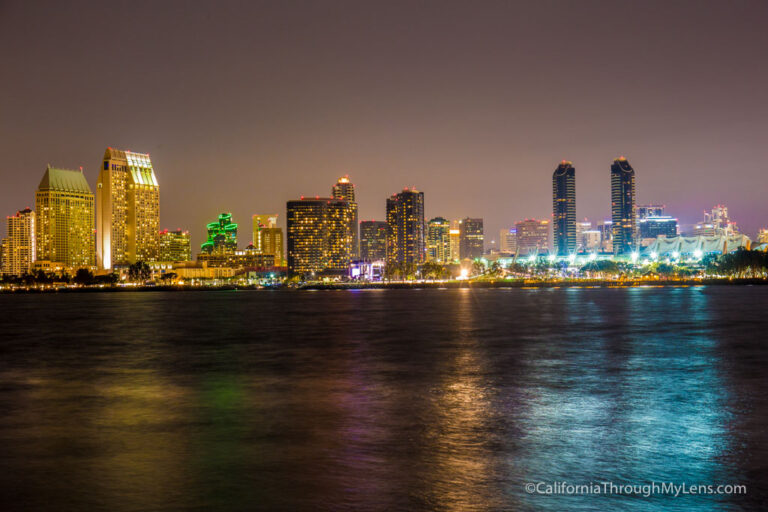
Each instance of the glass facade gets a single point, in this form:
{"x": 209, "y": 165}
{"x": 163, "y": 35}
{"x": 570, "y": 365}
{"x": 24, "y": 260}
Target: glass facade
{"x": 624, "y": 221}
{"x": 564, "y": 209}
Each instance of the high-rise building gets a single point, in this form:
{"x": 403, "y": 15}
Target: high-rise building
{"x": 439, "y": 240}
{"x": 455, "y": 241}
{"x": 532, "y": 236}
{"x": 652, "y": 227}
{"x": 406, "y": 232}
{"x": 373, "y": 240}
{"x": 716, "y": 223}
{"x": 64, "y": 207}
{"x": 508, "y": 241}
{"x": 222, "y": 236}
{"x": 319, "y": 235}
{"x": 471, "y": 241}
{"x": 623, "y": 214}
{"x": 762, "y": 236}
{"x": 268, "y": 237}
{"x": 564, "y": 209}
{"x": 344, "y": 189}
{"x": 127, "y": 209}
{"x": 606, "y": 236}
{"x": 581, "y": 228}
{"x": 174, "y": 246}
{"x": 650, "y": 210}
{"x": 19, "y": 246}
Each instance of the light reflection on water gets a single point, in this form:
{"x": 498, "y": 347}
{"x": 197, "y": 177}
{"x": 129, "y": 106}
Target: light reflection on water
{"x": 437, "y": 400}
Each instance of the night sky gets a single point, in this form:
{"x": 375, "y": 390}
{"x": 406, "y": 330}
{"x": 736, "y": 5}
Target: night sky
{"x": 243, "y": 106}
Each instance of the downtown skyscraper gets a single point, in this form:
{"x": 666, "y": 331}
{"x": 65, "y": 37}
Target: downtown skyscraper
{"x": 471, "y": 238}
{"x": 406, "y": 231}
{"x": 345, "y": 189}
{"x": 564, "y": 209}
{"x": 64, "y": 207}
{"x": 373, "y": 240}
{"x": 127, "y": 209}
{"x": 623, "y": 206}
{"x": 268, "y": 237}
{"x": 19, "y": 248}
{"x": 439, "y": 240}
{"x": 319, "y": 235}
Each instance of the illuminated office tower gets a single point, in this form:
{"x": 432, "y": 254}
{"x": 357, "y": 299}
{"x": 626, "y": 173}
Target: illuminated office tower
{"x": 439, "y": 240}
{"x": 564, "y": 209}
{"x": 65, "y": 213}
{"x": 471, "y": 238}
{"x": 344, "y": 189}
{"x": 508, "y": 241}
{"x": 19, "y": 246}
{"x": 373, "y": 240}
{"x": 623, "y": 215}
{"x": 174, "y": 246}
{"x": 222, "y": 236}
{"x": 127, "y": 209}
{"x": 762, "y": 236}
{"x": 532, "y": 237}
{"x": 406, "y": 240}
{"x": 319, "y": 235}
{"x": 455, "y": 241}
{"x": 268, "y": 237}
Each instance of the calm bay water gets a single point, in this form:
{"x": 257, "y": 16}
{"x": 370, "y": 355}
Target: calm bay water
{"x": 382, "y": 399}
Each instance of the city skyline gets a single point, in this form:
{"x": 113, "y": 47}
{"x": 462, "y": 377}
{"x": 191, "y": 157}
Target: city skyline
{"x": 301, "y": 111}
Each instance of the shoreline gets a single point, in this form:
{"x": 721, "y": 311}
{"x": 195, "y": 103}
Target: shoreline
{"x": 519, "y": 284}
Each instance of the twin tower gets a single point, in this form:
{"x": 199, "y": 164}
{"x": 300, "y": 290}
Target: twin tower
{"x": 623, "y": 204}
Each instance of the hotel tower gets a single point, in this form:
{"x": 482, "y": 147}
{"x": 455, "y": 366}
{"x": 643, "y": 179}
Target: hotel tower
{"x": 127, "y": 209}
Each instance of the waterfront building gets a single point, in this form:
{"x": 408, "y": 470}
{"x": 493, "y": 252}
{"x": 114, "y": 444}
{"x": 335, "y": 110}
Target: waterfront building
{"x": 564, "y": 209}
{"x": 406, "y": 231}
{"x": 319, "y": 235}
{"x": 222, "y": 236}
{"x": 623, "y": 213}
{"x": 174, "y": 246}
{"x": 471, "y": 241}
{"x": 367, "y": 270}
{"x": 127, "y": 209}
{"x": 508, "y": 241}
{"x": 532, "y": 237}
{"x": 695, "y": 247}
{"x": 268, "y": 237}
{"x": 373, "y": 240}
{"x": 19, "y": 247}
{"x": 248, "y": 258}
{"x": 439, "y": 240}
{"x": 64, "y": 224}
{"x": 345, "y": 189}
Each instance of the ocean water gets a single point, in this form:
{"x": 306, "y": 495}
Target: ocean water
{"x": 383, "y": 399}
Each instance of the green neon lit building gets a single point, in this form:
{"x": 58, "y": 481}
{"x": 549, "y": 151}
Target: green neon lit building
{"x": 222, "y": 236}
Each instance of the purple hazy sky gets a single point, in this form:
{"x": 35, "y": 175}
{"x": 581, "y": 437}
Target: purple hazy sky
{"x": 244, "y": 105}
